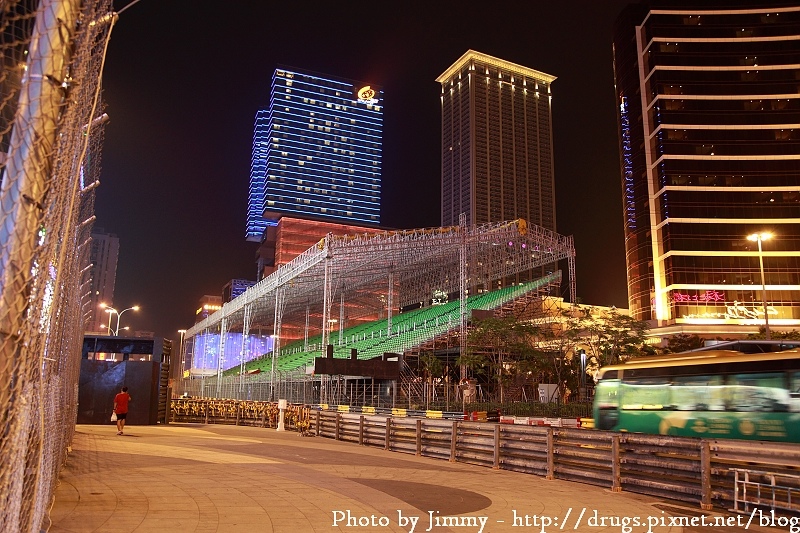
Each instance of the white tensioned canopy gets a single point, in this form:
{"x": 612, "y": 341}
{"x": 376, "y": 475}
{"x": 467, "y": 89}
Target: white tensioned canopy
{"x": 369, "y": 273}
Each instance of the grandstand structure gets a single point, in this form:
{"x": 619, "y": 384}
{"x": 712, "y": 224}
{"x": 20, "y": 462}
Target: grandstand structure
{"x": 367, "y": 295}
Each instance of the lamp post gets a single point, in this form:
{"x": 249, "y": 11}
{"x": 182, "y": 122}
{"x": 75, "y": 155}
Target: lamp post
{"x": 758, "y": 237}
{"x": 272, "y": 372}
{"x": 110, "y": 310}
{"x": 119, "y": 315}
{"x": 180, "y": 352}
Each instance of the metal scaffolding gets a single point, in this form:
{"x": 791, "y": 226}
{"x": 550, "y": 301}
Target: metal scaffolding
{"x": 373, "y": 275}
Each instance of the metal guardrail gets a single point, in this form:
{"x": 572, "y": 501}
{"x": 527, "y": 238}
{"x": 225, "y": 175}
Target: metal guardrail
{"x": 765, "y": 489}
{"x": 696, "y": 471}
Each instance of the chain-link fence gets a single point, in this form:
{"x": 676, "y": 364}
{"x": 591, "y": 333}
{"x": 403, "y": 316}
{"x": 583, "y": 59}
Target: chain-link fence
{"x": 51, "y": 126}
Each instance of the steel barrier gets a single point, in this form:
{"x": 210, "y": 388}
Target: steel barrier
{"x": 705, "y": 472}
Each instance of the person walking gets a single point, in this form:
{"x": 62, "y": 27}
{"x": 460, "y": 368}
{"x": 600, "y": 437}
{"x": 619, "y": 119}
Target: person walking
{"x": 121, "y": 408}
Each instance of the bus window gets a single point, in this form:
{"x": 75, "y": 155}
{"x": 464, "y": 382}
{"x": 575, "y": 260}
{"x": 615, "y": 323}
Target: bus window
{"x": 698, "y": 393}
{"x": 794, "y": 392}
{"x": 649, "y": 394}
{"x": 606, "y": 404}
{"x": 759, "y": 392}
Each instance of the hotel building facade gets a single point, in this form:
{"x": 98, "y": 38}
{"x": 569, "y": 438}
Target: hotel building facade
{"x": 316, "y": 152}
{"x": 708, "y": 101}
{"x": 497, "y": 149}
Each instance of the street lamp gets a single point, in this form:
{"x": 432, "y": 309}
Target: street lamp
{"x": 758, "y": 237}
{"x": 119, "y": 315}
{"x": 110, "y": 310}
{"x": 180, "y": 352}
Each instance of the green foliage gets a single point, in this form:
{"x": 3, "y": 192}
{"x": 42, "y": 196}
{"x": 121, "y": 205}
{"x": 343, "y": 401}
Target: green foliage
{"x": 792, "y": 335}
{"x": 683, "y": 343}
{"x": 496, "y": 347}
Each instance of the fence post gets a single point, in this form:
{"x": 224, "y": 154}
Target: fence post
{"x": 551, "y": 467}
{"x": 497, "y": 446}
{"x": 616, "y": 481}
{"x": 419, "y": 436}
{"x": 336, "y": 429}
{"x": 705, "y": 476}
{"x": 388, "y": 431}
{"x": 238, "y": 413}
{"x": 453, "y": 440}
{"x": 319, "y": 418}
{"x": 361, "y": 430}
{"x": 208, "y": 408}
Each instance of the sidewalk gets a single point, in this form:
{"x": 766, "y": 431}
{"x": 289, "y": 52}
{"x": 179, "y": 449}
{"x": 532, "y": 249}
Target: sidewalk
{"x": 215, "y": 478}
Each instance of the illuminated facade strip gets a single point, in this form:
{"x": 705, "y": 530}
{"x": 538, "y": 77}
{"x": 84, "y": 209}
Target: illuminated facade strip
{"x": 727, "y": 221}
{"x": 724, "y": 127}
{"x": 741, "y": 253}
{"x": 668, "y": 188}
{"x": 765, "y": 96}
{"x": 725, "y": 286}
{"x": 764, "y": 38}
{"x": 777, "y": 157}
{"x": 749, "y": 11}
{"x": 725, "y": 68}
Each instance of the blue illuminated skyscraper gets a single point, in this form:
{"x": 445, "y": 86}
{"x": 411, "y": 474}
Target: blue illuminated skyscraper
{"x": 316, "y": 152}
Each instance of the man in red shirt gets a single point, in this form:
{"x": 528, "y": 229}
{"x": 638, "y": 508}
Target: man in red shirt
{"x": 121, "y": 408}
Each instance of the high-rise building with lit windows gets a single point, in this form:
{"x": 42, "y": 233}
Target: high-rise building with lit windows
{"x": 709, "y": 125}
{"x": 497, "y": 145}
{"x": 103, "y": 274}
{"x": 497, "y": 149}
{"x": 316, "y": 152}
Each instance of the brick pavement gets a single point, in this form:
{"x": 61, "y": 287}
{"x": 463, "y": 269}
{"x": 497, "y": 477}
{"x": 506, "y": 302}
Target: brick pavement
{"x": 196, "y": 478}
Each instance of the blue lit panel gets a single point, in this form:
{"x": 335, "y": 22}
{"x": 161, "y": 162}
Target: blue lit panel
{"x": 203, "y": 350}
{"x": 317, "y": 152}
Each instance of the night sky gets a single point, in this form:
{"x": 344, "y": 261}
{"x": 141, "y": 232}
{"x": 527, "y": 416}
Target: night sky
{"x": 183, "y": 81}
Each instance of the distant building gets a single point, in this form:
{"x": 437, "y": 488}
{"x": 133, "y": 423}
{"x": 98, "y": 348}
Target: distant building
{"x": 293, "y": 236}
{"x": 103, "y": 273}
{"x": 209, "y": 304}
{"x": 235, "y": 288}
{"x": 709, "y": 154}
{"x": 497, "y": 145}
{"x": 497, "y": 148}
{"x": 316, "y": 152}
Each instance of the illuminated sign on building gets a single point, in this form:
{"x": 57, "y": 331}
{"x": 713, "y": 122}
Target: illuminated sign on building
{"x": 708, "y": 296}
{"x": 366, "y": 95}
{"x": 732, "y": 311}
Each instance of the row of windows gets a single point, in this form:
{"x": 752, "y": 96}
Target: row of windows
{"x": 276, "y": 198}
{"x": 341, "y": 213}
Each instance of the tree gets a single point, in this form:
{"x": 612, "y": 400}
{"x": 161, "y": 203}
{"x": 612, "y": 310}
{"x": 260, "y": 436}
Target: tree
{"x": 432, "y": 369}
{"x": 607, "y": 337}
{"x": 497, "y": 346}
{"x": 684, "y": 342}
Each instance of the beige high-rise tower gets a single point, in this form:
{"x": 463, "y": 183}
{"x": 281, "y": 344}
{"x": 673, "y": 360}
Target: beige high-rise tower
{"x": 497, "y": 149}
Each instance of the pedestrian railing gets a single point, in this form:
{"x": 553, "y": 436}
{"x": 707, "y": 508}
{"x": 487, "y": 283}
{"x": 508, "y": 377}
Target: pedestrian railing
{"x": 755, "y": 488}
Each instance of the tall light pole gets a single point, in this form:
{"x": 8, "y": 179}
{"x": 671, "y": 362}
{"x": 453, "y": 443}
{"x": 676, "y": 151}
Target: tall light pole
{"x": 758, "y": 237}
{"x": 180, "y": 352}
{"x": 119, "y": 315}
{"x": 110, "y": 310}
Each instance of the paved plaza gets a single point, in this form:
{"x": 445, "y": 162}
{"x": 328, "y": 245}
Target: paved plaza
{"x": 215, "y": 478}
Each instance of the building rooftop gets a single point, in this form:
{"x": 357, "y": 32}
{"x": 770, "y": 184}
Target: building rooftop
{"x": 499, "y": 63}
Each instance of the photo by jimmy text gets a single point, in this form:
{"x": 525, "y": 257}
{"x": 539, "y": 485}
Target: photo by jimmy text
{"x": 582, "y": 519}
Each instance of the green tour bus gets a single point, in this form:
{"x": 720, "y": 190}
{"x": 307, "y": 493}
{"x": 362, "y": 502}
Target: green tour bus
{"x": 707, "y": 394}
